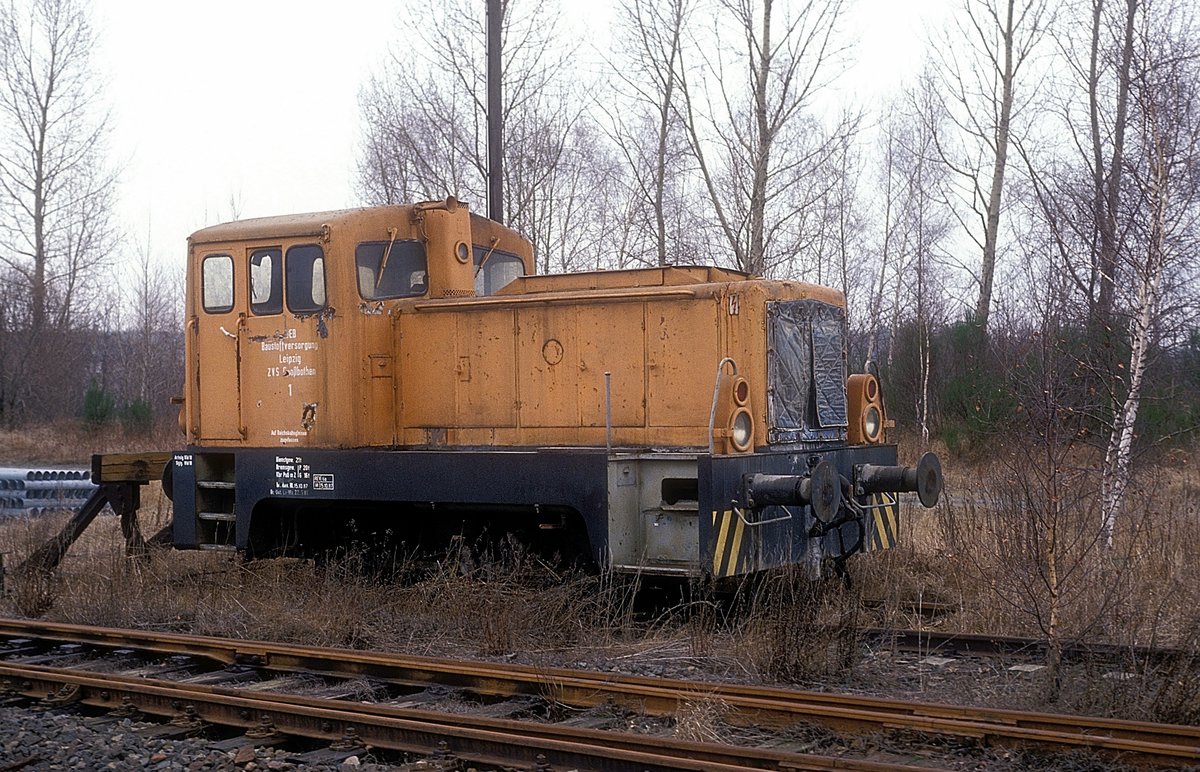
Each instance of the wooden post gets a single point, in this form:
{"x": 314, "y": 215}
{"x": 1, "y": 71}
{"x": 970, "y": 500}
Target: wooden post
{"x": 120, "y": 477}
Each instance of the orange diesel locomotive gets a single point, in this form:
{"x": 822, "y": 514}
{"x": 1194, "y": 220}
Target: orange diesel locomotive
{"x": 399, "y": 373}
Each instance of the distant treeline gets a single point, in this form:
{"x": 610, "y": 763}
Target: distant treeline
{"x": 124, "y": 377}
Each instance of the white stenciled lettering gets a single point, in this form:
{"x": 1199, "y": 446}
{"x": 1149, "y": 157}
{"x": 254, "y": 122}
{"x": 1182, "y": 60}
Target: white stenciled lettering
{"x": 279, "y": 345}
{"x": 288, "y": 436}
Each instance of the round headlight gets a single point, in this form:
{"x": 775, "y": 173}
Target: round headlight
{"x": 871, "y": 423}
{"x": 741, "y": 430}
{"x": 741, "y": 392}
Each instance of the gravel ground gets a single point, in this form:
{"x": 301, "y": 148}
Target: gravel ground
{"x": 55, "y": 740}
{"x": 58, "y": 740}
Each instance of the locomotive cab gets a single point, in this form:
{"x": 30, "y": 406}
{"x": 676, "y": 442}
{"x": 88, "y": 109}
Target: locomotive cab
{"x": 399, "y": 373}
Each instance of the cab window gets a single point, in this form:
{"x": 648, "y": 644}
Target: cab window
{"x": 266, "y": 281}
{"x": 391, "y": 269}
{"x": 217, "y": 283}
{"x": 305, "y": 269}
{"x": 494, "y": 269}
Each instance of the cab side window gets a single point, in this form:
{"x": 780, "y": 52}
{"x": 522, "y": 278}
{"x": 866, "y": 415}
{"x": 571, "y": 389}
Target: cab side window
{"x": 216, "y": 281}
{"x": 305, "y": 278}
{"x": 266, "y": 281}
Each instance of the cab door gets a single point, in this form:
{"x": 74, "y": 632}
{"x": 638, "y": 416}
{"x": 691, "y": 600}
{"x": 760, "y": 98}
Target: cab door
{"x": 282, "y": 365}
{"x": 218, "y": 331}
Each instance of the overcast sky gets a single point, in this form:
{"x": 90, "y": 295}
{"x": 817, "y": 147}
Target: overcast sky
{"x": 253, "y": 103}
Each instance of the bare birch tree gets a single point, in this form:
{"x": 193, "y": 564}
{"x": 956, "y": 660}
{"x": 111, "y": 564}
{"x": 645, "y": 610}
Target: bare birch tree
{"x": 1165, "y": 85}
{"x": 1077, "y": 168}
{"x": 749, "y": 112}
{"x": 928, "y": 229}
{"x": 152, "y": 354}
{"x": 646, "y": 129}
{"x": 425, "y": 126}
{"x": 980, "y": 61}
{"x": 919, "y": 229}
{"x": 889, "y": 200}
{"x": 1106, "y": 179}
{"x": 57, "y": 229}
{"x": 839, "y": 243}
{"x": 56, "y": 223}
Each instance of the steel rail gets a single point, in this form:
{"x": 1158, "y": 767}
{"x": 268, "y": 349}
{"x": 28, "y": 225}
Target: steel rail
{"x": 483, "y": 740}
{"x": 659, "y": 696}
{"x": 972, "y": 644}
{"x": 928, "y": 610}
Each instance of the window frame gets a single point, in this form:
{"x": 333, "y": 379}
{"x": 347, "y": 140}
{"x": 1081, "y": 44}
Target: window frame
{"x": 314, "y": 307}
{"x": 274, "y": 304}
{"x": 222, "y": 309}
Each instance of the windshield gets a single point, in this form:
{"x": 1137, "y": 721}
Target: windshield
{"x": 494, "y": 269}
{"x": 403, "y": 271}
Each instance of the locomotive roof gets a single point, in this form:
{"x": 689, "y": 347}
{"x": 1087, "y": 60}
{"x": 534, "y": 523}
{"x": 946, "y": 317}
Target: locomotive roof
{"x": 279, "y": 226}
{"x": 313, "y": 223}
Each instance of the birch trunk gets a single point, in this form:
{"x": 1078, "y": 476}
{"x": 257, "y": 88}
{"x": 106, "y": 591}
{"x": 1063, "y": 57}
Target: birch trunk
{"x": 1115, "y": 480}
{"x": 987, "y": 272}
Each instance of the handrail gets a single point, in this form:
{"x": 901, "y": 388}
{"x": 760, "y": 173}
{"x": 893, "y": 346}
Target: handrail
{"x": 191, "y": 384}
{"x": 741, "y": 516}
{"x": 576, "y": 295}
{"x": 712, "y": 416}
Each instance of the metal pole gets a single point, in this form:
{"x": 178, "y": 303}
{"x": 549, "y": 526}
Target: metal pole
{"x": 495, "y": 125}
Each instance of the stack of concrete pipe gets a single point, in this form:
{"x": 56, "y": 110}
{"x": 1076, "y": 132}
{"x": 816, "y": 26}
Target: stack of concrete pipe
{"x": 29, "y": 492}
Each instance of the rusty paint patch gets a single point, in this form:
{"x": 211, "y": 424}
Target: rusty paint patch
{"x": 371, "y": 309}
{"x": 325, "y": 313}
{"x": 308, "y": 419}
{"x": 277, "y": 335}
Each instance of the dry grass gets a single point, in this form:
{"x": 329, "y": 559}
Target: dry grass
{"x": 71, "y": 443}
{"x": 1018, "y": 552}
{"x": 493, "y": 607}
{"x": 793, "y": 630}
{"x": 984, "y": 548}
{"x": 702, "y": 721}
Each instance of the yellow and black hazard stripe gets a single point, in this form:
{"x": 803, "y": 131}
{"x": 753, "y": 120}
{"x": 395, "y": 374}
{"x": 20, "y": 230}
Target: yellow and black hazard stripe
{"x": 728, "y": 557}
{"x": 886, "y": 517}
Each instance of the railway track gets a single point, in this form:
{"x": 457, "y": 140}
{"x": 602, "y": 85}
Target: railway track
{"x": 49, "y": 656}
{"x": 351, "y": 728}
{"x": 969, "y": 644}
{"x": 966, "y": 644}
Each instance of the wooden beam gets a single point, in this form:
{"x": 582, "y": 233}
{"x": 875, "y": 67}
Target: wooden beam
{"x": 129, "y": 467}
